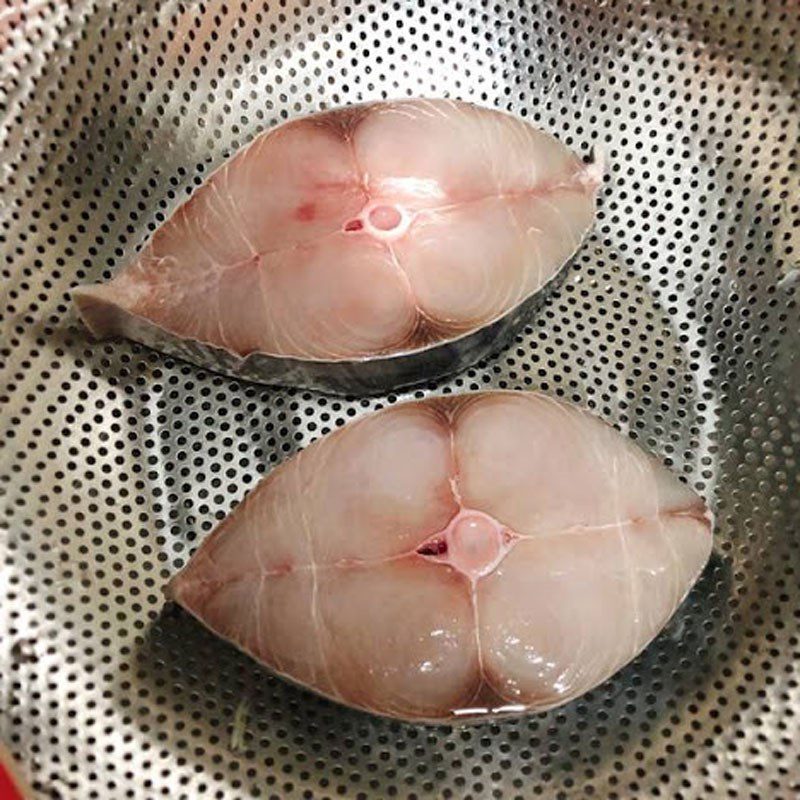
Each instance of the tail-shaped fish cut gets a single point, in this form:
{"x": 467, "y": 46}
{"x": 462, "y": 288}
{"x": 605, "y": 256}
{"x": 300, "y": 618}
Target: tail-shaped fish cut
{"x": 358, "y": 249}
{"x": 469, "y": 557}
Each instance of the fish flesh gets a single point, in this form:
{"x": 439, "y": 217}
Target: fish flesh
{"x": 357, "y": 249}
{"x": 456, "y": 557}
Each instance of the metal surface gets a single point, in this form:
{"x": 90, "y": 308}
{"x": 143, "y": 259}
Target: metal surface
{"x": 678, "y": 322}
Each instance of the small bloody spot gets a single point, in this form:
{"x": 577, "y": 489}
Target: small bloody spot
{"x": 305, "y": 212}
{"x": 353, "y": 225}
{"x": 437, "y": 548}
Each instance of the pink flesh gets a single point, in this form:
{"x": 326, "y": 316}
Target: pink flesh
{"x": 360, "y": 232}
{"x": 494, "y": 553}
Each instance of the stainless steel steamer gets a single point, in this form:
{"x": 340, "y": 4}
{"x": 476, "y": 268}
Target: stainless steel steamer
{"x": 678, "y": 322}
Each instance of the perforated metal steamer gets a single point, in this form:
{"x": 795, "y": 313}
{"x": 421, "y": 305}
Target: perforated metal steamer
{"x": 678, "y": 322}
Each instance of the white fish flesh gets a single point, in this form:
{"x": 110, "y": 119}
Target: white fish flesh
{"x": 453, "y": 558}
{"x": 352, "y": 238}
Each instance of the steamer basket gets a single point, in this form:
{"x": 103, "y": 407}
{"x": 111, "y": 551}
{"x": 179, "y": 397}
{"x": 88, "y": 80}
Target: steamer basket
{"x": 678, "y": 322}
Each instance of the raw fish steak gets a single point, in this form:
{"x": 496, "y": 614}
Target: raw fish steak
{"x": 453, "y": 558}
{"x": 357, "y": 249}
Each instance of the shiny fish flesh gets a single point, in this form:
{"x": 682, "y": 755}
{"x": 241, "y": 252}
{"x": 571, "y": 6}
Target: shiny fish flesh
{"x": 341, "y": 241}
{"x": 465, "y": 557}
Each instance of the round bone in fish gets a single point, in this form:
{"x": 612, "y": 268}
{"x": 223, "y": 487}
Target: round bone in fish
{"x": 357, "y": 249}
{"x": 454, "y": 558}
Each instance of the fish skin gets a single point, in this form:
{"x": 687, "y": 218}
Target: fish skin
{"x": 350, "y": 569}
{"x": 259, "y": 260}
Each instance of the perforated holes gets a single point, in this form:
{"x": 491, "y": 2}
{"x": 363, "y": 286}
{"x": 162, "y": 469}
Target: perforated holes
{"x": 677, "y": 322}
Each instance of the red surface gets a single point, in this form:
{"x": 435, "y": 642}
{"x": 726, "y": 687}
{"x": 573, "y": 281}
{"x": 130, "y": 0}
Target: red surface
{"x": 8, "y": 789}
{"x": 305, "y": 212}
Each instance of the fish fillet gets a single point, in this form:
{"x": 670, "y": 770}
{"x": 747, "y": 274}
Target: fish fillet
{"x": 453, "y": 558}
{"x": 361, "y": 233}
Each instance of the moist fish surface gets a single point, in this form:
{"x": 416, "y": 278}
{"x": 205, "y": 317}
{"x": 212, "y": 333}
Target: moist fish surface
{"x": 452, "y": 558}
{"x": 357, "y": 249}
